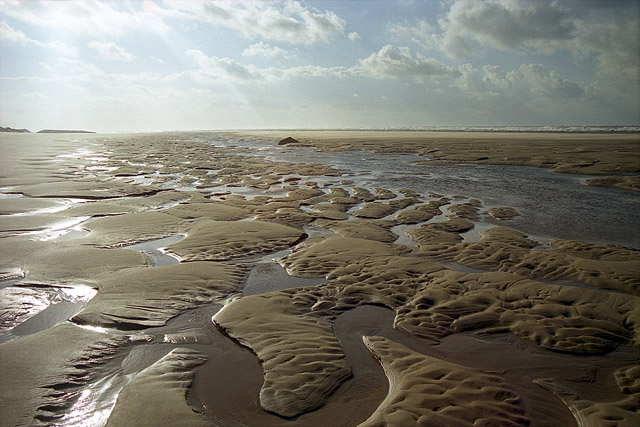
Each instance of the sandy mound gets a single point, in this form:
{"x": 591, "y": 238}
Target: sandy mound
{"x": 214, "y": 211}
{"x": 467, "y": 210}
{"x": 133, "y": 228}
{"x": 377, "y": 210}
{"x": 427, "y": 391}
{"x": 329, "y": 211}
{"x": 51, "y": 262}
{"x": 502, "y": 213}
{"x": 88, "y": 189}
{"x": 148, "y": 297}
{"x": 24, "y": 204}
{"x": 292, "y": 217}
{"x": 318, "y": 257}
{"x": 302, "y": 360}
{"x": 443, "y": 234}
{"x": 361, "y": 229}
{"x": 157, "y": 395}
{"x": 374, "y": 210}
{"x": 421, "y": 213}
{"x": 568, "y": 319}
{"x": 621, "y": 412}
{"x": 625, "y": 182}
{"x": 501, "y": 249}
{"x": 222, "y": 240}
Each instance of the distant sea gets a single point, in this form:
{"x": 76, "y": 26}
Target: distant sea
{"x": 523, "y": 129}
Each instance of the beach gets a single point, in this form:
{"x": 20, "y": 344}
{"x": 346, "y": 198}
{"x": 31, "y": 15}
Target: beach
{"x": 342, "y": 278}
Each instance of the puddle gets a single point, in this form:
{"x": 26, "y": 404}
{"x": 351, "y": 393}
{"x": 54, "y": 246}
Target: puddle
{"x": 26, "y": 310}
{"x": 154, "y": 250}
{"x": 59, "y": 229}
{"x": 271, "y": 276}
{"x": 403, "y": 239}
{"x": 4, "y": 195}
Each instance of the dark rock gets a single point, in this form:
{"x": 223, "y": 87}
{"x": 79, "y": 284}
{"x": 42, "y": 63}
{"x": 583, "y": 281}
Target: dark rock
{"x": 288, "y": 140}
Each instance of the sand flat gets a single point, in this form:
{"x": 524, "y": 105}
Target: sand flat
{"x": 507, "y": 330}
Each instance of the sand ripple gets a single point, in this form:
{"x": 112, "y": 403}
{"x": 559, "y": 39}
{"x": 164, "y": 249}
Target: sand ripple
{"x": 427, "y": 391}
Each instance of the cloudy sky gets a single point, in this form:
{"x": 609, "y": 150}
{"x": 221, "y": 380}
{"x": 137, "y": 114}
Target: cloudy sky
{"x": 179, "y": 65}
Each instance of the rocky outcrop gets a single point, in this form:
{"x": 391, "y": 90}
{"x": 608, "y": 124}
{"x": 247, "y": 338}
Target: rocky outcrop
{"x": 288, "y": 140}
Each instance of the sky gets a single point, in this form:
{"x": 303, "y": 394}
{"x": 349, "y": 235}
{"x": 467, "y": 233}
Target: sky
{"x": 193, "y": 65}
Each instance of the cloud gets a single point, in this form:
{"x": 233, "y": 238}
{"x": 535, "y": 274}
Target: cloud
{"x": 612, "y": 35}
{"x": 353, "y": 36}
{"x": 8, "y": 33}
{"x": 515, "y": 25}
{"x": 421, "y": 32}
{"x": 84, "y": 16}
{"x": 388, "y": 63}
{"x": 607, "y": 31}
{"x": 527, "y": 82}
{"x": 213, "y": 67}
{"x": 110, "y": 51}
{"x": 319, "y": 71}
{"x": 266, "y": 50}
{"x": 392, "y": 62}
{"x": 288, "y": 21}
{"x": 35, "y": 96}
{"x": 11, "y": 35}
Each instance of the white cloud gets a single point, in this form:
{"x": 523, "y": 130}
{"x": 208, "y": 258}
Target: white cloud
{"x": 613, "y": 36}
{"x": 266, "y": 50}
{"x": 392, "y": 62}
{"x": 213, "y": 67}
{"x": 111, "y": 51}
{"x": 8, "y": 33}
{"x": 287, "y": 21}
{"x": 527, "y": 82}
{"x": 608, "y": 31}
{"x": 319, "y": 71}
{"x": 11, "y": 35}
{"x": 353, "y": 36}
{"x": 515, "y": 25}
{"x": 84, "y": 16}
{"x": 216, "y": 68}
{"x": 388, "y": 63}
{"x": 421, "y": 32}
{"x": 35, "y": 96}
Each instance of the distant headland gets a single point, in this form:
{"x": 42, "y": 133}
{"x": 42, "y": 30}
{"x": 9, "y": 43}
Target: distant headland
{"x": 63, "y": 131}
{"x": 14, "y": 130}
{"x": 8, "y": 129}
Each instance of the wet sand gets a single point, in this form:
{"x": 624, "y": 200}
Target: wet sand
{"x": 188, "y": 279}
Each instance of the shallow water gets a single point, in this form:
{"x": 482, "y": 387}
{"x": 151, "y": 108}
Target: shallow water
{"x": 26, "y": 310}
{"x": 551, "y": 204}
{"x": 154, "y": 250}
